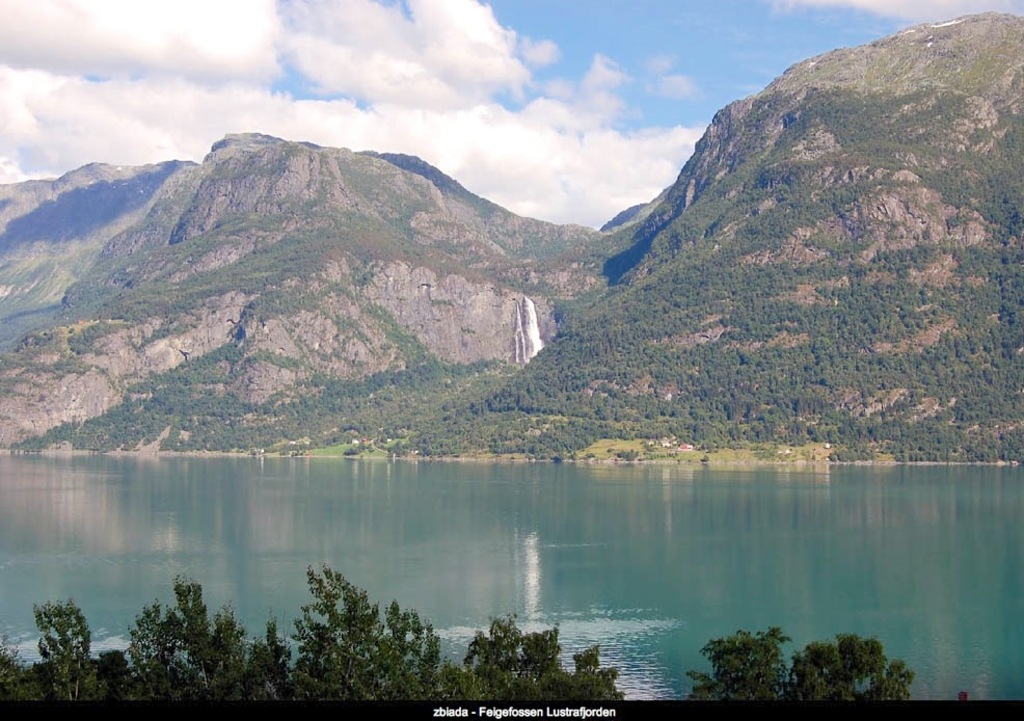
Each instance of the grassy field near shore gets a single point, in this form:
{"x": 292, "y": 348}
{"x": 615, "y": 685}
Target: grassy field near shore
{"x": 619, "y": 451}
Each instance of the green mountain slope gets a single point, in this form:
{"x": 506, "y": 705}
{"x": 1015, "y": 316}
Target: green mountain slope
{"x": 839, "y": 262}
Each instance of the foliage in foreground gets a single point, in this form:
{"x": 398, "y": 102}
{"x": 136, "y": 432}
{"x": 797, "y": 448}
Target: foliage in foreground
{"x": 345, "y": 649}
{"x": 751, "y": 667}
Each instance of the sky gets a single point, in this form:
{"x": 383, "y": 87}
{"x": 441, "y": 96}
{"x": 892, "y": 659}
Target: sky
{"x": 564, "y": 110}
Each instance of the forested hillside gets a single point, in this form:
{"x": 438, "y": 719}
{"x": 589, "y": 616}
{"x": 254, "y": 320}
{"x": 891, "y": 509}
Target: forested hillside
{"x": 839, "y": 262}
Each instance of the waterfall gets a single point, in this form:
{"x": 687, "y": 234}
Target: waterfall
{"x": 526, "y": 332}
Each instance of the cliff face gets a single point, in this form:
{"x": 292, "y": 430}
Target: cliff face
{"x": 457, "y": 320}
{"x": 306, "y": 262}
{"x": 70, "y": 374}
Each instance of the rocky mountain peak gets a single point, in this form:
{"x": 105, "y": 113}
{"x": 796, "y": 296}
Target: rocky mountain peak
{"x": 975, "y": 55}
{"x": 234, "y": 144}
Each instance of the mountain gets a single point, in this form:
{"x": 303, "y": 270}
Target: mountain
{"x": 51, "y": 231}
{"x": 260, "y": 275}
{"x": 840, "y": 262}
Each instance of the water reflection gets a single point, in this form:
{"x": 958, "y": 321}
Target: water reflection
{"x": 531, "y": 575}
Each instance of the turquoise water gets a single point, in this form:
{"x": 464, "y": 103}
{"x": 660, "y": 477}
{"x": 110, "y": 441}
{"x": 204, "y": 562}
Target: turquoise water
{"x": 649, "y": 561}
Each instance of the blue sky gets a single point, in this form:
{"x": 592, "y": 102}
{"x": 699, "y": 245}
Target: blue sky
{"x": 559, "y": 109}
{"x": 726, "y": 50}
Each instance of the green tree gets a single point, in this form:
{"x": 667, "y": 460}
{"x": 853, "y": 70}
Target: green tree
{"x": 181, "y": 653}
{"x": 114, "y": 675}
{"x": 152, "y": 651}
{"x": 12, "y": 672}
{"x": 849, "y": 669}
{"x": 268, "y": 674}
{"x": 744, "y": 667}
{"x": 347, "y": 651}
{"x": 411, "y": 654}
{"x": 750, "y": 667}
{"x": 66, "y": 671}
{"x": 508, "y": 664}
{"x": 589, "y": 681}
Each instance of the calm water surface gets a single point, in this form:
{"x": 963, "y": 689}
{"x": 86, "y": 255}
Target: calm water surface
{"x": 649, "y": 561}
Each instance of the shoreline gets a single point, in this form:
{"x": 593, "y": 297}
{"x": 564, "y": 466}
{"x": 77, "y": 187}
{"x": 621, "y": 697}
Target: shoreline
{"x": 718, "y": 463}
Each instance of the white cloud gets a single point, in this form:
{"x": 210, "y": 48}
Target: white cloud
{"x": 10, "y": 172}
{"x": 604, "y": 74}
{"x": 551, "y": 160}
{"x": 195, "y": 38}
{"x": 666, "y": 83}
{"x": 423, "y": 77}
{"x": 560, "y": 88}
{"x": 914, "y": 10}
{"x": 596, "y": 101}
{"x": 443, "y": 54}
{"x": 539, "y": 53}
{"x": 566, "y": 176}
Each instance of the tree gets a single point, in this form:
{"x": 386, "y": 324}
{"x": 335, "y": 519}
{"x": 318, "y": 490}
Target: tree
{"x": 751, "y": 667}
{"x": 114, "y": 675}
{"x": 508, "y": 664}
{"x": 66, "y": 671}
{"x": 268, "y": 674}
{"x": 11, "y": 671}
{"x": 849, "y": 669}
{"x": 181, "y": 653}
{"x": 591, "y": 682}
{"x": 346, "y": 651}
{"x": 745, "y": 667}
{"x": 411, "y": 653}
{"x": 152, "y": 651}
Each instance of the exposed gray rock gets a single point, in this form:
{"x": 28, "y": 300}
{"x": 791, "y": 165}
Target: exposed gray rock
{"x": 459, "y": 320}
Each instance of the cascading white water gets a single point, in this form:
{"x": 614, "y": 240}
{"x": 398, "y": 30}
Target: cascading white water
{"x": 532, "y": 328}
{"x": 526, "y": 331}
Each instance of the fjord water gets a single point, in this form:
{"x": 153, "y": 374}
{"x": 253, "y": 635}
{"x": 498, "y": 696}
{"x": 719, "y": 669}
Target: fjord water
{"x": 649, "y": 561}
